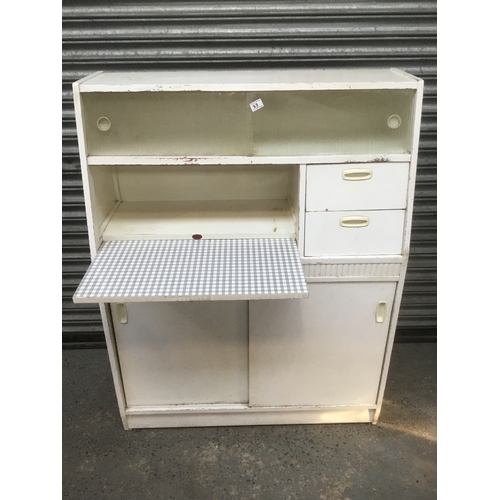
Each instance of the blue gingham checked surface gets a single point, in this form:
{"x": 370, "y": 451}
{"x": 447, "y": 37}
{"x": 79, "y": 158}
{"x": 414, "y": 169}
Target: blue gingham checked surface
{"x": 162, "y": 270}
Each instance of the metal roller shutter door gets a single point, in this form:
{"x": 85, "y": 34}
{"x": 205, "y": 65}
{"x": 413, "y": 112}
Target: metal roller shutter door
{"x": 103, "y": 35}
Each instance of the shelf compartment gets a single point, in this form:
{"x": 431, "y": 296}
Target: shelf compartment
{"x": 219, "y": 201}
{"x": 176, "y": 270}
{"x": 227, "y": 219}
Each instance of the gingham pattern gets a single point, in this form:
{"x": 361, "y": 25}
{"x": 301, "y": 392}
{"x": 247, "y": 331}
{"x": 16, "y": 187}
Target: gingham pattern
{"x": 166, "y": 270}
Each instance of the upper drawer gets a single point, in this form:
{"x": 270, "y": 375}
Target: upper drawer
{"x": 356, "y": 186}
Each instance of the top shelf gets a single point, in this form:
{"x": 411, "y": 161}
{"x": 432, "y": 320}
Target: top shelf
{"x": 247, "y": 160}
{"x": 248, "y": 80}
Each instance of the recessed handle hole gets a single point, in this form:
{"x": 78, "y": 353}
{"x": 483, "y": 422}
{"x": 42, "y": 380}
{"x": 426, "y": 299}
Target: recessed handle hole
{"x": 394, "y": 121}
{"x": 104, "y": 123}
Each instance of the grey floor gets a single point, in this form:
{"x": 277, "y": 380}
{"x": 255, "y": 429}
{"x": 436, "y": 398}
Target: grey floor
{"x": 395, "y": 459}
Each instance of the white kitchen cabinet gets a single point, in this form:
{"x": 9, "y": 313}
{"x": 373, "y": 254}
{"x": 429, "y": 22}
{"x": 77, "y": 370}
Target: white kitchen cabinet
{"x": 249, "y": 235}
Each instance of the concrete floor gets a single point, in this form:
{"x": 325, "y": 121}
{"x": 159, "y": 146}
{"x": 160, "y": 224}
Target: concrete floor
{"x": 395, "y": 459}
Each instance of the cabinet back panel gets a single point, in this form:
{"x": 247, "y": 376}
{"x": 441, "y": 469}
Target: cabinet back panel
{"x": 192, "y": 182}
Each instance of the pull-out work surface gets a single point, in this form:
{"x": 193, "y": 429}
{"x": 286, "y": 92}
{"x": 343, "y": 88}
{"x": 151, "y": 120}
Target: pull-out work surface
{"x": 173, "y": 270}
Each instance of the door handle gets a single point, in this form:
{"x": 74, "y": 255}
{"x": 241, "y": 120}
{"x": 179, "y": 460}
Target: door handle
{"x": 354, "y": 221}
{"x": 122, "y": 312}
{"x": 380, "y": 312}
{"x": 357, "y": 174}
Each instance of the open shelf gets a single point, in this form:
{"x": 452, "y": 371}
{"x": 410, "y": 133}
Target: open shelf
{"x": 209, "y": 219}
{"x": 219, "y": 201}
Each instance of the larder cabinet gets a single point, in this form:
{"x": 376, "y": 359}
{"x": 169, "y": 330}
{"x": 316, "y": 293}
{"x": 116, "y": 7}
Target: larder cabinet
{"x": 249, "y": 233}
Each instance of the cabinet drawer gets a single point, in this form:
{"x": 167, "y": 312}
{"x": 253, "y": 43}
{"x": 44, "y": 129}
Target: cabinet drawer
{"x": 356, "y": 186}
{"x": 354, "y": 233}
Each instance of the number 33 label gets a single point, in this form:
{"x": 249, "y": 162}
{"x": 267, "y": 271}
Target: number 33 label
{"x": 255, "y": 105}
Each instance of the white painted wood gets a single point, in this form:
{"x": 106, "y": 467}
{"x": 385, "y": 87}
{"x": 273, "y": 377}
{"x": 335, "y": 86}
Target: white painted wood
{"x": 249, "y": 80}
{"x": 327, "y": 349}
{"x": 301, "y": 209}
{"x": 406, "y": 246}
{"x": 383, "y": 234}
{"x": 413, "y": 165}
{"x": 293, "y": 193}
{"x": 211, "y": 219}
{"x": 353, "y": 259}
{"x": 349, "y": 279}
{"x": 106, "y": 219}
{"x": 358, "y": 270}
{"x": 109, "y": 334}
{"x": 404, "y": 74}
{"x": 237, "y": 407}
{"x": 183, "y": 200}
{"x": 252, "y": 416}
{"x": 385, "y": 189}
{"x": 184, "y": 353}
{"x": 261, "y": 144}
{"x": 104, "y": 199}
{"x": 93, "y": 228}
{"x": 247, "y": 160}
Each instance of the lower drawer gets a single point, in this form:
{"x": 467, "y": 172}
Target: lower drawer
{"x": 376, "y": 232}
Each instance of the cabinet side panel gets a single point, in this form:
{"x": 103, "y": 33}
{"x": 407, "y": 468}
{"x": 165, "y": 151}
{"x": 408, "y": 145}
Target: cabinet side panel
{"x": 102, "y": 187}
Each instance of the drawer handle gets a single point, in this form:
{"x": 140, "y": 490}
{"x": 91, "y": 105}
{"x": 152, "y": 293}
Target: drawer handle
{"x": 357, "y": 174}
{"x": 380, "y": 312}
{"x": 354, "y": 221}
{"x": 122, "y": 313}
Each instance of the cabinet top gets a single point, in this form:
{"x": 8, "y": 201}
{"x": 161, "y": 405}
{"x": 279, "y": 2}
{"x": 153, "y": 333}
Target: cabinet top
{"x": 248, "y": 80}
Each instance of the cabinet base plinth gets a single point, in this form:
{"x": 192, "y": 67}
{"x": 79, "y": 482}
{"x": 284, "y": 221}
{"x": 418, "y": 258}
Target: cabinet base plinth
{"x": 236, "y": 416}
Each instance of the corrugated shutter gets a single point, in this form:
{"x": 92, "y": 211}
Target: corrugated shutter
{"x": 104, "y": 35}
